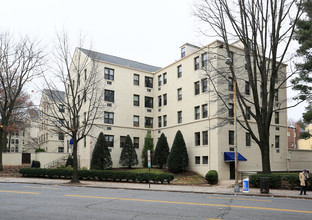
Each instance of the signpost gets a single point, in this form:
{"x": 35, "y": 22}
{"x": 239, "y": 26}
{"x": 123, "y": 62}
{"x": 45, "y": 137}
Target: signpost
{"x": 149, "y": 167}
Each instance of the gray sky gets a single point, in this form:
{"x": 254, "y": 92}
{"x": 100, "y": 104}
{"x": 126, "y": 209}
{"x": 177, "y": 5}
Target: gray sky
{"x": 148, "y": 31}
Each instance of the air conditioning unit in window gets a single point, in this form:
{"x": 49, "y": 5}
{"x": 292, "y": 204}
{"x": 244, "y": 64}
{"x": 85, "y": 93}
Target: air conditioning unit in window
{"x": 109, "y": 128}
{"x": 109, "y": 83}
{"x": 159, "y": 88}
{"x": 149, "y": 110}
{"x": 149, "y": 90}
{"x": 277, "y": 150}
{"x": 109, "y": 104}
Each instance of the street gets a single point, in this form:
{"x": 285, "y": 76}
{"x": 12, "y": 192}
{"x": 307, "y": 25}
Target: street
{"x": 34, "y": 201}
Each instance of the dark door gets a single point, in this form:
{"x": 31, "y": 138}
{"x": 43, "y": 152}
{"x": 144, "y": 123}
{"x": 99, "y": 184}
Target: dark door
{"x": 25, "y": 157}
{"x": 232, "y": 170}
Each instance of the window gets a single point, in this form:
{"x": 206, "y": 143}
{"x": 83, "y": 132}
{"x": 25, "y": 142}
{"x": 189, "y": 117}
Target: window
{"x": 196, "y": 87}
{"x": 197, "y": 160}
{"x": 247, "y": 88}
{"x": 136, "y": 79}
{"x": 165, "y": 120}
{"x": 109, "y": 140}
{"x": 84, "y": 95}
{"x": 165, "y": 78}
{"x": 261, "y": 91}
{"x": 165, "y": 99}
{"x": 60, "y": 149}
{"x": 109, "y": 117}
{"x": 16, "y": 141}
{"x": 197, "y": 112}
{"x": 61, "y": 136}
{"x": 276, "y": 117}
{"x": 136, "y": 121}
{"x": 78, "y": 80}
{"x": 277, "y": 142}
{"x": 109, "y": 95}
{"x": 136, "y": 100}
{"x": 85, "y": 74}
{"x": 179, "y": 94}
{"x": 231, "y": 137}
{"x": 179, "y": 71}
{"x": 85, "y": 141}
{"x": 136, "y": 141}
{"x": 148, "y": 122}
{"x": 108, "y": 74}
{"x": 148, "y": 102}
{"x": 205, "y": 159}
{"x": 204, "y": 85}
{"x": 182, "y": 52}
{"x": 230, "y": 84}
{"x": 196, "y": 63}
{"x": 204, "y": 57}
{"x": 205, "y": 137}
{"x": 159, "y": 121}
{"x": 231, "y": 110}
{"x": 61, "y": 108}
{"x": 78, "y": 99}
{"x": 159, "y": 101}
{"x": 247, "y": 139}
{"x": 148, "y": 82}
{"x": 248, "y": 110}
{"x": 122, "y": 141}
{"x": 179, "y": 117}
{"x": 159, "y": 80}
{"x": 197, "y": 138}
{"x": 205, "y": 111}
{"x": 276, "y": 95}
{"x": 62, "y": 121}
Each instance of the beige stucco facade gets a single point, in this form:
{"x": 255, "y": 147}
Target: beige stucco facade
{"x": 198, "y": 114}
{"x": 306, "y": 144}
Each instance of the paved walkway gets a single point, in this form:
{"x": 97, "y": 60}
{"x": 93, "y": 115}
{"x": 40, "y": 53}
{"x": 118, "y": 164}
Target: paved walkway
{"x": 223, "y": 187}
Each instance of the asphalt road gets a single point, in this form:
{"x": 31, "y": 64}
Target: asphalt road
{"x": 34, "y": 202}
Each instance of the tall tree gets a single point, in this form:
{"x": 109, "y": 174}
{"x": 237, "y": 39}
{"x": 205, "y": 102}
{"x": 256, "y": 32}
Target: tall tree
{"x": 148, "y": 145}
{"x": 161, "y": 152}
{"x": 302, "y": 82}
{"x": 178, "y": 157}
{"x": 21, "y": 60}
{"x": 264, "y": 30}
{"x": 101, "y": 158}
{"x": 128, "y": 156}
{"x": 75, "y": 111}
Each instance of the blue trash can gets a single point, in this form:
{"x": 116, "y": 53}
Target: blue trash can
{"x": 246, "y": 185}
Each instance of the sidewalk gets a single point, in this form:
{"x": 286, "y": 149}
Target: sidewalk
{"x": 223, "y": 187}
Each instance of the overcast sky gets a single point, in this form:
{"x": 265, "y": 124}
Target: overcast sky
{"x": 148, "y": 31}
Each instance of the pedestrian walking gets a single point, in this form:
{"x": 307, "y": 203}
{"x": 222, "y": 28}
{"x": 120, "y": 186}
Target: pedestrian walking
{"x": 303, "y": 177}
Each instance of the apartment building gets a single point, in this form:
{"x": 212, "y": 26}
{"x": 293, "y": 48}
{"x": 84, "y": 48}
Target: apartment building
{"x": 50, "y": 138}
{"x": 140, "y": 97}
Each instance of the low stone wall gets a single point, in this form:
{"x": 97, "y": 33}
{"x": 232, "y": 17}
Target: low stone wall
{"x": 299, "y": 160}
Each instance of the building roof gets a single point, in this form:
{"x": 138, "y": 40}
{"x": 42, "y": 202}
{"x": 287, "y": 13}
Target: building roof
{"x": 119, "y": 61}
{"x": 55, "y": 95}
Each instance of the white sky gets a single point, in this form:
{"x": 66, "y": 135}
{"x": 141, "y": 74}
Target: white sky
{"x": 148, "y": 31}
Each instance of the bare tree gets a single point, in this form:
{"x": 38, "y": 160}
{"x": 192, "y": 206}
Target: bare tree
{"x": 20, "y": 61}
{"x": 264, "y": 30}
{"x": 75, "y": 111}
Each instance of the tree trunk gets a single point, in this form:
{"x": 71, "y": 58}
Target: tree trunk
{"x": 265, "y": 156}
{"x": 2, "y": 146}
{"x": 75, "y": 178}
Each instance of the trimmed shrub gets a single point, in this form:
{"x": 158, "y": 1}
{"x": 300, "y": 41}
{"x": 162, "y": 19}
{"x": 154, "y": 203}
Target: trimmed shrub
{"x": 101, "y": 158}
{"x": 98, "y": 175}
{"x": 148, "y": 145}
{"x": 161, "y": 152}
{"x": 212, "y": 177}
{"x": 275, "y": 181}
{"x": 178, "y": 157}
{"x": 128, "y": 156}
{"x": 39, "y": 150}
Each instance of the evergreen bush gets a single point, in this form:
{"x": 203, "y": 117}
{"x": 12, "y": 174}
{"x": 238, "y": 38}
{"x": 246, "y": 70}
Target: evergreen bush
{"x": 178, "y": 157}
{"x": 69, "y": 161}
{"x": 161, "y": 152}
{"x": 128, "y": 156}
{"x": 39, "y": 150}
{"x": 148, "y": 145}
{"x": 212, "y": 177}
{"x": 101, "y": 158}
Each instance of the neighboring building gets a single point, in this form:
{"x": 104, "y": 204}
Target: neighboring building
{"x": 141, "y": 97}
{"x": 50, "y": 138}
{"x": 293, "y": 134}
{"x": 306, "y": 144}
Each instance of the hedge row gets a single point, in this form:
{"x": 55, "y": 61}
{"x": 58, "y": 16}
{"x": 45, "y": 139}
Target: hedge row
{"x": 278, "y": 181}
{"x": 102, "y": 175}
